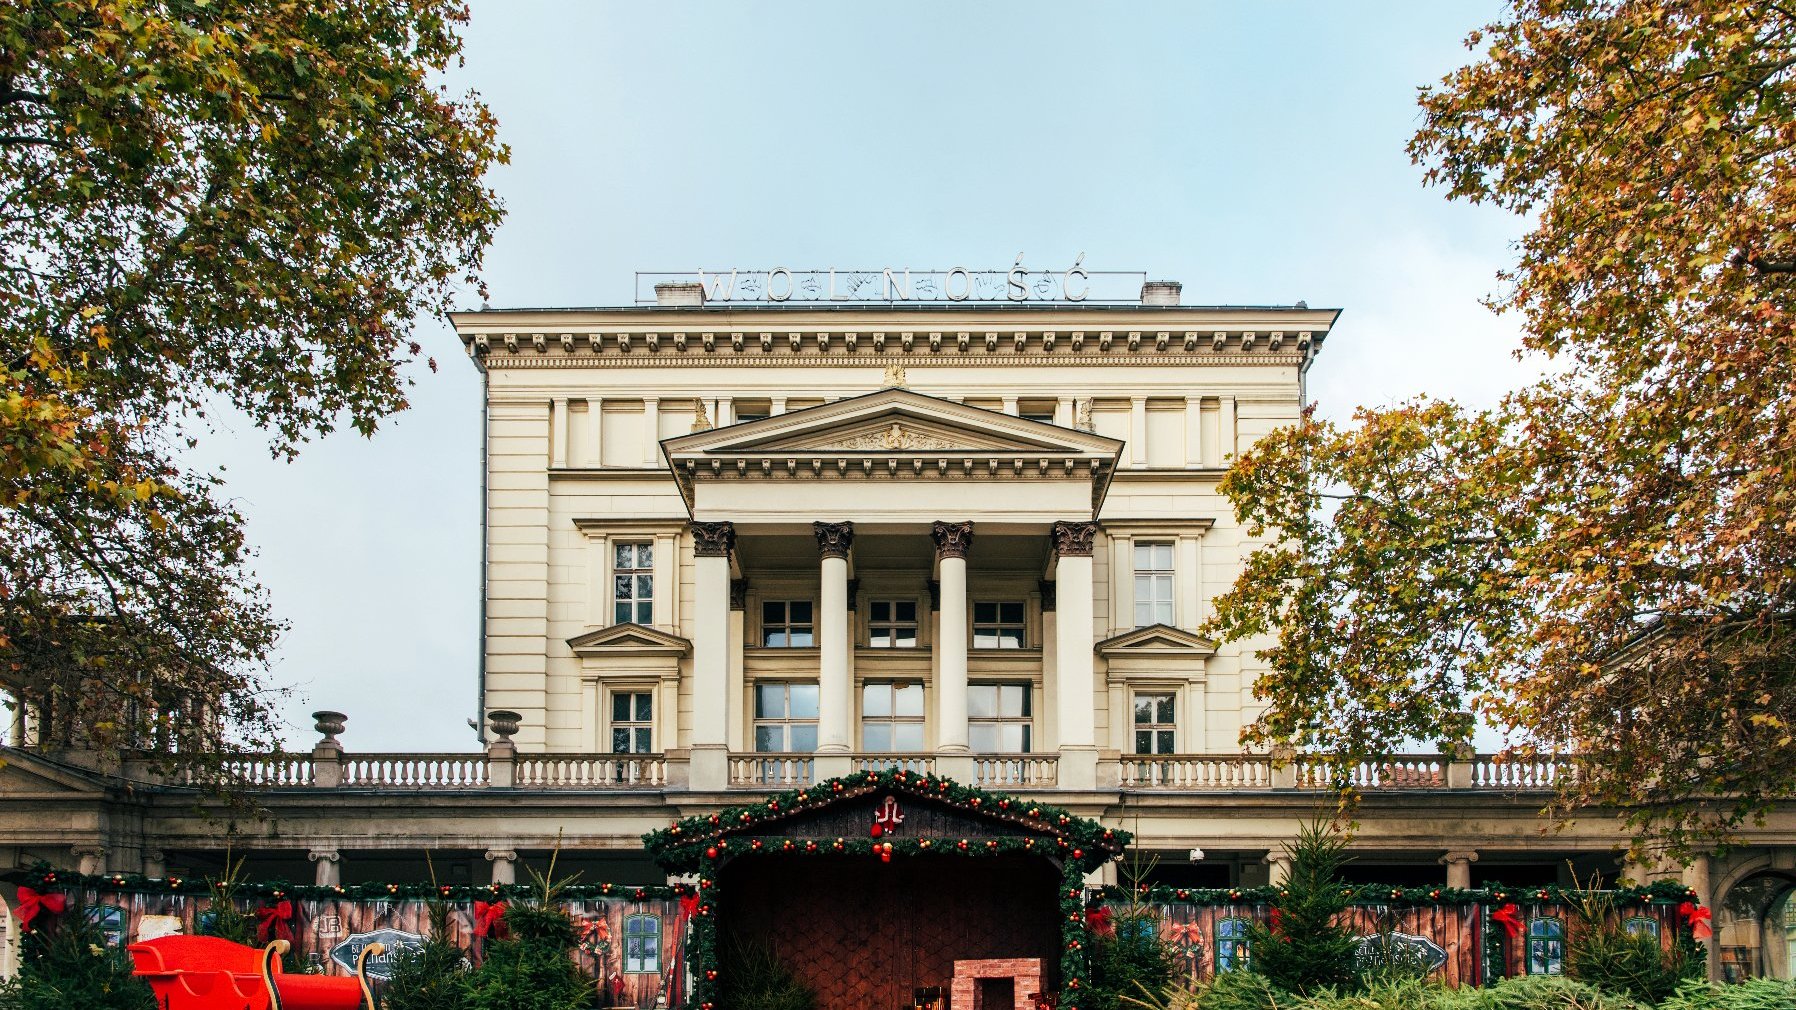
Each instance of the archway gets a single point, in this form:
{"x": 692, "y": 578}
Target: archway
{"x": 1755, "y": 928}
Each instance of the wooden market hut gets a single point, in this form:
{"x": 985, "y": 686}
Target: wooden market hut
{"x": 870, "y": 887}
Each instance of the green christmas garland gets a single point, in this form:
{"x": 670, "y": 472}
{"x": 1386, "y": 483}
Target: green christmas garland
{"x": 1662, "y": 892}
{"x": 42, "y": 877}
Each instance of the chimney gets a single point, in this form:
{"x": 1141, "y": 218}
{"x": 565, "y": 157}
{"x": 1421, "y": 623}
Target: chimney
{"x": 1152, "y": 292}
{"x": 687, "y": 293}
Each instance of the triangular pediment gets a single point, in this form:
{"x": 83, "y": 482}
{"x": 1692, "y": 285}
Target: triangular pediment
{"x": 892, "y": 420}
{"x": 23, "y": 772}
{"x": 1156, "y": 640}
{"x": 629, "y": 639}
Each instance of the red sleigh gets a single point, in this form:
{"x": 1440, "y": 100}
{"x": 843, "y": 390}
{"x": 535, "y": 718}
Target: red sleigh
{"x": 206, "y": 973}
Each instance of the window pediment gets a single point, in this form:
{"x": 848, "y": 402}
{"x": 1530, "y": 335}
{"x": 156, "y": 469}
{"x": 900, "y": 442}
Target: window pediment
{"x": 1156, "y": 640}
{"x": 629, "y": 640}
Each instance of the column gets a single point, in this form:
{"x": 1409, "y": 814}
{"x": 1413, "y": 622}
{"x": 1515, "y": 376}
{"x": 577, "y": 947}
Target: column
{"x": 329, "y": 872}
{"x": 952, "y": 541}
{"x": 1050, "y": 684}
{"x": 595, "y": 432}
{"x": 1459, "y": 868}
{"x": 1230, "y": 438}
{"x": 505, "y": 865}
{"x": 710, "y": 762}
{"x": 155, "y": 863}
{"x": 1194, "y": 431}
{"x": 1699, "y": 877}
{"x": 1138, "y": 430}
{"x": 651, "y": 431}
{"x": 1073, "y": 674}
{"x": 1278, "y": 868}
{"x": 90, "y": 859}
{"x": 558, "y": 424}
{"x": 834, "y": 689}
{"x": 738, "y": 688}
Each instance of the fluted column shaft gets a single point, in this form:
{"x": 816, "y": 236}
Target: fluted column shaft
{"x": 1073, "y": 675}
{"x": 711, "y": 546}
{"x": 835, "y": 732}
{"x": 952, "y": 541}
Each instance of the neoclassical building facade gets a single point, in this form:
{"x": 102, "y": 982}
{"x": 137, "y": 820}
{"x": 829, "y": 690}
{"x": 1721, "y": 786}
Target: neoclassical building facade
{"x": 731, "y": 548}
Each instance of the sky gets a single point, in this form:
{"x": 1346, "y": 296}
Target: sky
{"x": 1253, "y": 151}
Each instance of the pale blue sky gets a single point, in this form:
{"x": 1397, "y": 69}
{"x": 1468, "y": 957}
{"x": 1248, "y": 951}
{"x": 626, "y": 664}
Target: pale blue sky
{"x": 1254, "y": 151}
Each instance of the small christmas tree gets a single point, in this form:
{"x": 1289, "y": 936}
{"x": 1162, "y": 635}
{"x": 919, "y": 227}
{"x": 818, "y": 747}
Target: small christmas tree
{"x": 431, "y": 976}
{"x": 533, "y": 968}
{"x": 69, "y": 965}
{"x": 1129, "y": 960}
{"x": 1302, "y": 950}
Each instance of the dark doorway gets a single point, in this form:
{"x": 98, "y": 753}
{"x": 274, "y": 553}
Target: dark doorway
{"x": 862, "y": 933}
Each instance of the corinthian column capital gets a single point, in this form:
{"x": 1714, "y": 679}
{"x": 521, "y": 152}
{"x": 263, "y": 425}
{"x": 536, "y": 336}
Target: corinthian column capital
{"x": 833, "y": 539}
{"x": 1073, "y": 539}
{"x": 952, "y": 540}
{"x": 713, "y": 540}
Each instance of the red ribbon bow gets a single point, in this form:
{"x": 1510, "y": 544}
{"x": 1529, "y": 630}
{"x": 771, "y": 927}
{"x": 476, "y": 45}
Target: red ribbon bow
{"x": 32, "y": 903}
{"x": 1510, "y": 918}
{"x": 1697, "y": 918}
{"x": 1187, "y": 933}
{"x": 688, "y": 905}
{"x": 489, "y": 919}
{"x": 1098, "y": 921}
{"x": 275, "y": 919}
{"x": 1276, "y": 926}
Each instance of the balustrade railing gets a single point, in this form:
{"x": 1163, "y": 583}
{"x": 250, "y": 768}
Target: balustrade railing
{"x": 1493, "y": 771}
{"x": 777, "y": 771}
{"x": 1015, "y": 770}
{"x": 591, "y": 771}
{"x": 922, "y": 764}
{"x": 1196, "y": 771}
{"x": 266, "y": 771}
{"x": 415, "y": 771}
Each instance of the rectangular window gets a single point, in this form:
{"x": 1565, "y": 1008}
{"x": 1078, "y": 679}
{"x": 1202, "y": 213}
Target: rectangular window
{"x": 998, "y": 718}
{"x": 633, "y": 583}
{"x": 997, "y": 625}
{"x": 1546, "y": 946}
{"x": 632, "y": 722}
{"x": 642, "y": 945}
{"x": 1153, "y": 584}
{"x": 892, "y": 717}
{"x": 785, "y": 718}
{"x": 1232, "y": 944}
{"x": 892, "y": 624}
{"x": 787, "y": 624}
{"x": 1153, "y": 723}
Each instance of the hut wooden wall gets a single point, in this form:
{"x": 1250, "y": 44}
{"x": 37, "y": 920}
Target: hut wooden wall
{"x": 318, "y": 926}
{"x": 865, "y": 934}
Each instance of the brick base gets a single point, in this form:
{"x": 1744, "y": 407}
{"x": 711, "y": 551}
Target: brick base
{"x": 1024, "y": 973}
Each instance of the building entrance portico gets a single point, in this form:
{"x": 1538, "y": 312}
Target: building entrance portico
{"x": 912, "y": 506}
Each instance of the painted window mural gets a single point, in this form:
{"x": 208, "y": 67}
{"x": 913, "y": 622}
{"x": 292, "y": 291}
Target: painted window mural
{"x": 642, "y": 945}
{"x": 1641, "y": 925}
{"x": 1231, "y": 944}
{"x": 1546, "y": 945}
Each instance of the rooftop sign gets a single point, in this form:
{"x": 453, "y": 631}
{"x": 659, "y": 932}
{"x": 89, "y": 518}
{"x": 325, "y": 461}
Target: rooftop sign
{"x": 891, "y": 285}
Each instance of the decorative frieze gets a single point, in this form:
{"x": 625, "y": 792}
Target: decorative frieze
{"x": 952, "y": 540}
{"x": 834, "y": 540}
{"x": 713, "y": 540}
{"x": 1073, "y": 539}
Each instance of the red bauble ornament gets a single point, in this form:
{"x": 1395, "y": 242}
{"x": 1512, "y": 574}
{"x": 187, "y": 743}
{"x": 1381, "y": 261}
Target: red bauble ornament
{"x": 876, "y": 831}
{"x": 1078, "y": 853}
{"x": 711, "y": 853}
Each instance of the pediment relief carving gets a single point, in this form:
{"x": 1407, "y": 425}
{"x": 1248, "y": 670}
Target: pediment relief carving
{"x": 895, "y": 437}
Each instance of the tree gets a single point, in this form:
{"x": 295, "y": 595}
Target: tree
{"x": 71, "y": 965}
{"x": 1602, "y": 565}
{"x": 1303, "y": 949}
{"x": 238, "y": 205}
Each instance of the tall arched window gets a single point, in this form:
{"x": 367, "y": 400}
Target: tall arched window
{"x": 1232, "y": 949}
{"x": 1546, "y": 945}
{"x": 642, "y": 945}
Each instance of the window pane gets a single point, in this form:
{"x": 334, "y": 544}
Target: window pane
{"x": 909, "y": 700}
{"x": 620, "y": 741}
{"x": 620, "y": 708}
{"x": 907, "y": 638}
{"x": 982, "y": 701}
{"x": 877, "y": 736}
{"x": 643, "y": 744}
{"x": 880, "y": 611}
{"x": 623, "y": 613}
{"x": 801, "y": 611}
{"x": 773, "y": 637}
{"x": 804, "y": 701}
{"x": 773, "y": 613}
{"x": 1010, "y": 613}
{"x": 1144, "y": 709}
{"x": 1144, "y": 556}
{"x": 645, "y": 555}
{"x": 1163, "y": 708}
{"x": 1144, "y": 614}
{"x": 1011, "y": 737}
{"x": 645, "y": 587}
{"x": 879, "y": 638}
{"x": 624, "y": 556}
{"x": 804, "y": 737}
{"x": 1163, "y": 612}
{"x": 1144, "y": 587}
{"x": 985, "y": 639}
{"x": 982, "y": 738}
{"x": 876, "y": 700}
{"x": 1144, "y": 742}
{"x": 1010, "y": 700}
{"x": 1162, "y": 557}
{"x": 1165, "y": 740}
{"x": 908, "y": 736}
{"x": 800, "y": 638}
{"x": 645, "y": 707}
{"x": 1010, "y": 638}
{"x": 770, "y": 701}
{"x": 985, "y": 613}
{"x": 770, "y": 738}
{"x": 906, "y": 611}
{"x": 622, "y": 586}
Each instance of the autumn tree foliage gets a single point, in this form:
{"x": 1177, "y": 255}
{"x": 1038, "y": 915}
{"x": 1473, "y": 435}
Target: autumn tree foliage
{"x": 240, "y": 203}
{"x": 1603, "y": 565}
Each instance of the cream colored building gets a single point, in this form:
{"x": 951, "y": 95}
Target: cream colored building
{"x": 731, "y": 548}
